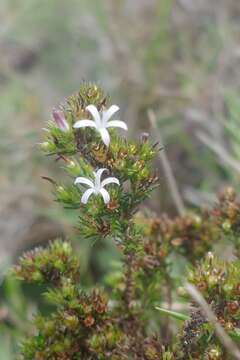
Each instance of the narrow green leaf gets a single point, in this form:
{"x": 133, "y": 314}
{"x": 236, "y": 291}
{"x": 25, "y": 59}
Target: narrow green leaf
{"x": 235, "y": 334}
{"x": 174, "y": 314}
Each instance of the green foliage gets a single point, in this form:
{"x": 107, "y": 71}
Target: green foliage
{"x": 82, "y": 152}
{"x": 218, "y": 281}
{"x": 14, "y": 317}
{"x": 50, "y": 265}
{"x": 128, "y": 319}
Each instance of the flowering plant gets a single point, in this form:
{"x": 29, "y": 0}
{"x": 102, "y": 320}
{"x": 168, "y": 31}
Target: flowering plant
{"x": 123, "y": 321}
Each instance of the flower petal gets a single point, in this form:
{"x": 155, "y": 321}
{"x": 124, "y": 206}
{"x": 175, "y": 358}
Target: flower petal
{"x": 107, "y": 114}
{"x": 85, "y": 181}
{"x": 110, "y": 180}
{"x": 95, "y": 114}
{"x": 117, "y": 123}
{"x": 98, "y": 176}
{"x": 105, "y": 195}
{"x": 105, "y": 136}
{"x": 86, "y": 195}
{"x": 84, "y": 123}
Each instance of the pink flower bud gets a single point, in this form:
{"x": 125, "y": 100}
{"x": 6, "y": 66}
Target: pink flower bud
{"x": 60, "y": 120}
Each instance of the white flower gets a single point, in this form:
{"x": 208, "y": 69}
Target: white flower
{"x": 96, "y": 186}
{"x": 60, "y": 120}
{"x": 101, "y": 123}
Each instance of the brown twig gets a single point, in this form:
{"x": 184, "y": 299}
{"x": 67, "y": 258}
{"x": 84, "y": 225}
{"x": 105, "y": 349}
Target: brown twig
{"x": 226, "y": 341}
{"x": 172, "y": 184}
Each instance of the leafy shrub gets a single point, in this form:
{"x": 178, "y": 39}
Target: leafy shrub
{"x": 157, "y": 254}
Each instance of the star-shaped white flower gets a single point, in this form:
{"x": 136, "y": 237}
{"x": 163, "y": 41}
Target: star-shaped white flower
{"x": 96, "y": 186}
{"x": 101, "y": 122}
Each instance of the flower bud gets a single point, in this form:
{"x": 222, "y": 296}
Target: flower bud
{"x": 73, "y": 168}
{"x": 71, "y": 321}
{"x": 233, "y": 306}
{"x": 45, "y": 146}
{"x": 214, "y": 353}
{"x": 60, "y": 120}
{"x": 226, "y": 225}
{"x": 144, "y": 137}
{"x": 89, "y": 321}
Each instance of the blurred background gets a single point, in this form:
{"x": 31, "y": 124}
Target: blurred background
{"x": 179, "y": 58}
